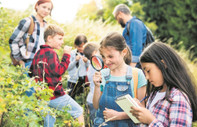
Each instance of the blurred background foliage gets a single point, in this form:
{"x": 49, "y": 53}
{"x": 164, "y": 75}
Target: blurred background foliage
{"x": 168, "y": 19}
{"x": 173, "y": 22}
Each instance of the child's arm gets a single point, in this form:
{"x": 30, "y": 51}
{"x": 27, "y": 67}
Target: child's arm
{"x": 180, "y": 113}
{"x": 110, "y": 113}
{"x": 141, "y": 94}
{"x": 73, "y": 61}
{"x": 97, "y": 92}
{"x": 58, "y": 68}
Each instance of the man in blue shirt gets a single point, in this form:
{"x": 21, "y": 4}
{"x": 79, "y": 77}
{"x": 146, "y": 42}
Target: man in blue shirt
{"x": 137, "y": 31}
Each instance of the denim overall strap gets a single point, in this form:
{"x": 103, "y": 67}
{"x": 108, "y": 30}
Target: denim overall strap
{"x": 129, "y": 74}
{"x": 111, "y": 91}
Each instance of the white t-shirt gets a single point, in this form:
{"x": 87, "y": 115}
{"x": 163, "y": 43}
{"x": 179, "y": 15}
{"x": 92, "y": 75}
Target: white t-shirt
{"x": 41, "y": 38}
{"x": 141, "y": 80}
{"x": 90, "y": 74}
{"x": 158, "y": 96}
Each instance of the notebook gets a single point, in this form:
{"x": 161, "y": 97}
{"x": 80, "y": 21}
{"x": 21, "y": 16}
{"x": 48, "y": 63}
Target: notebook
{"x": 125, "y": 102}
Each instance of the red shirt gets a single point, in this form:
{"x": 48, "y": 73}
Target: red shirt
{"x": 46, "y": 66}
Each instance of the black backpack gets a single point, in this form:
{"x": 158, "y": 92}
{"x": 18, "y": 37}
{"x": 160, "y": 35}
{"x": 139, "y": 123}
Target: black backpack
{"x": 149, "y": 36}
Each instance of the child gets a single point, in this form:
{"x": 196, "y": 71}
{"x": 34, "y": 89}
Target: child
{"x": 172, "y": 97}
{"x": 91, "y": 49}
{"x": 116, "y": 80}
{"x": 77, "y": 67}
{"x": 46, "y": 67}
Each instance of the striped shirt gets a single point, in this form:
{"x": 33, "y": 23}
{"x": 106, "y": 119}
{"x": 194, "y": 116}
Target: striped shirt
{"x": 17, "y": 40}
{"x": 175, "y": 114}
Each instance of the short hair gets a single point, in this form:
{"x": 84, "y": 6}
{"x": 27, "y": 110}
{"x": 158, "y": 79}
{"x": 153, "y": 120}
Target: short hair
{"x": 52, "y": 30}
{"x": 89, "y": 48}
{"x": 123, "y": 8}
{"x": 81, "y": 38}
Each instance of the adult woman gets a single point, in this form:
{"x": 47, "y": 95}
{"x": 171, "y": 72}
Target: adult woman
{"x": 22, "y": 51}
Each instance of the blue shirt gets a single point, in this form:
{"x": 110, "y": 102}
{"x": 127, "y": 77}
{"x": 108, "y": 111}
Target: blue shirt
{"x": 136, "y": 38}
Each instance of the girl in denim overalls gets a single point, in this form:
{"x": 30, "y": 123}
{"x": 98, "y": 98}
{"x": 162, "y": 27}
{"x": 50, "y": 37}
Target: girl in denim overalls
{"x": 116, "y": 81}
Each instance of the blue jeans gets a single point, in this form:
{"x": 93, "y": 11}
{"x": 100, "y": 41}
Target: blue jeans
{"x": 32, "y": 90}
{"x": 59, "y": 103}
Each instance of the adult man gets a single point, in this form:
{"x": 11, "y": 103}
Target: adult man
{"x": 137, "y": 31}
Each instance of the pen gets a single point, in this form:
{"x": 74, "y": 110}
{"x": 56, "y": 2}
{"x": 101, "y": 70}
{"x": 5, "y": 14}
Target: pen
{"x": 143, "y": 99}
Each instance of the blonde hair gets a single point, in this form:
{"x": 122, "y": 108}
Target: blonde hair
{"x": 53, "y": 30}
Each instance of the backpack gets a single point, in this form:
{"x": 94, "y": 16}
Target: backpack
{"x": 149, "y": 36}
{"x": 30, "y": 31}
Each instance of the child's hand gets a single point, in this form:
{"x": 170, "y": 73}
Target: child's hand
{"x": 85, "y": 59}
{"x": 97, "y": 79}
{"x": 110, "y": 113}
{"x": 138, "y": 102}
{"x": 77, "y": 57}
{"x": 67, "y": 49}
{"x": 142, "y": 114}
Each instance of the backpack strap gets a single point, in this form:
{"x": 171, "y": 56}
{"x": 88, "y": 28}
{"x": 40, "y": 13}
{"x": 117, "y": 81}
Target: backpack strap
{"x": 30, "y": 31}
{"x": 135, "y": 80}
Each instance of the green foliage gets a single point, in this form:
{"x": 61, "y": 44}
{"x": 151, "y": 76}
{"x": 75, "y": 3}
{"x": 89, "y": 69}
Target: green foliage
{"x": 13, "y": 83}
{"x": 88, "y": 10}
{"x": 16, "y": 109}
{"x": 175, "y": 19}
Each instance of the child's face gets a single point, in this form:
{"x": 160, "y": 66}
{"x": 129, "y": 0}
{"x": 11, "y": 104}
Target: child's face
{"x": 153, "y": 74}
{"x": 44, "y": 9}
{"x": 80, "y": 47}
{"x": 56, "y": 41}
{"x": 112, "y": 58}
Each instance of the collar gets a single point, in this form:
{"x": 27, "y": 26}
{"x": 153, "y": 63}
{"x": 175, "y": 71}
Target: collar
{"x": 45, "y": 46}
{"x": 134, "y": 17}
{"x": 35, "y": 20}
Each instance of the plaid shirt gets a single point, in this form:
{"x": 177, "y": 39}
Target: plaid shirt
{"x": 46, "y": 63}
{"x": 17, "y": 40}
{"x": 175, "y": 114}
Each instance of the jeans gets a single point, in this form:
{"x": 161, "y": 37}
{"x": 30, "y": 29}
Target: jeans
{"x": 59, "y": 103}
{"x": 32, "y": 90}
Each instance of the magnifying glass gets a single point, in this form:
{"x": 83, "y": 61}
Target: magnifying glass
{"x": 97, "y": 63}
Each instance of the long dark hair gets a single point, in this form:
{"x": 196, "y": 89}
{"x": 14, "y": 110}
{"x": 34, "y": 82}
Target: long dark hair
{"x": 175, "y": 72}
{"x": 116, "y": 40}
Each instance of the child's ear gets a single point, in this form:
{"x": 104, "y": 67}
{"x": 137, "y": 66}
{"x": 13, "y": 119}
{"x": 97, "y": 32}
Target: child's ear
{"x": 124, "y": 51}
{"x": 164, "y": 63}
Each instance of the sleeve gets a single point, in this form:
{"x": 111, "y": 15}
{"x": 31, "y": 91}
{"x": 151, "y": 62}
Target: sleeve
{"x": 57, "y": 68}
{"x": 72, "y": 61}
{"x": 136, "y": 35}
{"x": 87, "y": 64}
{"x": 141, "y": 79}
{"x": 17, "y": 35}
{"x": 180, "y": 113}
